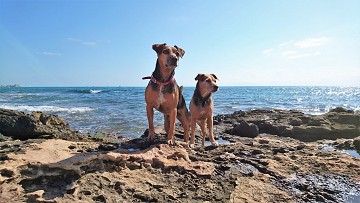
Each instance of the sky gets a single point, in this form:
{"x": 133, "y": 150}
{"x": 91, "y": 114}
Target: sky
{"x": 243, "y": 42}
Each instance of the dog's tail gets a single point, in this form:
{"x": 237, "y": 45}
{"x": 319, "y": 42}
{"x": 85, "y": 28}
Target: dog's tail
{"x": 181, "y": 88}
{"x": 146, "y": 78}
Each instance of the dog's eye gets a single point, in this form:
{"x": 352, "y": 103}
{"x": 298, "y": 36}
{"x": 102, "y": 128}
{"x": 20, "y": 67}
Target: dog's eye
{"x": 166, "y": 51}
{"x": 177, "y": 54}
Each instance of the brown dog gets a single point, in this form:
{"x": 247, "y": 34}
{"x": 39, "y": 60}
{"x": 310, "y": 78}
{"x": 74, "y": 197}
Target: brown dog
{"x": 201, "y": 107}
{"x": 163, "y": 93}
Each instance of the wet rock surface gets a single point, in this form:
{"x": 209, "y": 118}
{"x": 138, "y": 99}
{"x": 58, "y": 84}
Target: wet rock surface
{"x": 264, "y": 168}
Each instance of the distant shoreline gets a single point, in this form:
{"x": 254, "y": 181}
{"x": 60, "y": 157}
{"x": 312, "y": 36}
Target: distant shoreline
{"x": 14, "y": 85}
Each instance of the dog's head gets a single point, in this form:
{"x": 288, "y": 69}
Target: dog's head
{"x": 168, "y": 56}
{"x": 207, "y": 83}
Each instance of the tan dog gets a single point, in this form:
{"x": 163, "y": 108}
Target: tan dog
{"x": 201, "y": 107}
{"x": 163, "y": 93}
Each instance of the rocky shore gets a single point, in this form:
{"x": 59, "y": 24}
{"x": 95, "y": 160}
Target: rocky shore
{"x": 264, "y": 156}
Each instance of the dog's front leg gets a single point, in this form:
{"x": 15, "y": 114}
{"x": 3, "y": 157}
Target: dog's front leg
{"x": 172, "y": 126}
{"x": 150, "y": 116}
{"x": 211, "y": 133}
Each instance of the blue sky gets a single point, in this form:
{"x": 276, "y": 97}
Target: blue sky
{"x": 108, "y": 43}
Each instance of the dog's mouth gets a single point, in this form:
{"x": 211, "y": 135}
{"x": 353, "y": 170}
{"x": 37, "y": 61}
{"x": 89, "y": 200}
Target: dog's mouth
{"x": 172, "y": 63}
{"x": 215, "y": 88}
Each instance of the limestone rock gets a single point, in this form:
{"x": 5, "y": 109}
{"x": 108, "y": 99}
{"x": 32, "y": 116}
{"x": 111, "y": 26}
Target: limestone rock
{"x": 19, "y": 125}
{"x": 245, "y": 129}
{"x": 266, "y": 168}
{"x": 338, "y": 123}
{"x": 341, "y": 110}
{"x": 356, "y": 143}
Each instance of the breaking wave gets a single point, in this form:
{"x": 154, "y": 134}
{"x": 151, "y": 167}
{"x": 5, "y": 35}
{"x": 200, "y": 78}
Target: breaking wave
{"x": 47, "y": 108}
{"x": 86, "y": 91}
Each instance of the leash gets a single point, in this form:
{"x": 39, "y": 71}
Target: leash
{"x": 152, "y": 79}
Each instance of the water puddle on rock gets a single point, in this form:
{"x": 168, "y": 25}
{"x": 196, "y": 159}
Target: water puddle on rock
{"x": 353, "y": 198}
{"x": 351, "y": 152}
{"x": 220, "y": 141}
{"x": 132, "y": 150}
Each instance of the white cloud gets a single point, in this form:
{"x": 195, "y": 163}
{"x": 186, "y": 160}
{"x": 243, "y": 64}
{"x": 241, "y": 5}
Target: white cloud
{"x": 285, "y": 44}
{"x": 268, "y": 52}
{"x": 295, "y": 55}
{"x": 83, "y": 42}
{"x": 288, "y": 53}
{"x": 48, "y": 53}
{"x": 297, "y": 49}
{"x": 312, "y": 42}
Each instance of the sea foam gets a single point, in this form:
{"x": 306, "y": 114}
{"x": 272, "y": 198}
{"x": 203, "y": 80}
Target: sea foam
{"x": 95, "y": 91}
{"x": 47, "y": 108}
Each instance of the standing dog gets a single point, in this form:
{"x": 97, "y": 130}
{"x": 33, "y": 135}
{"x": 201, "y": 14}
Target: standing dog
{"x": 201, "y": 107}
{"x": 163, "y": 93}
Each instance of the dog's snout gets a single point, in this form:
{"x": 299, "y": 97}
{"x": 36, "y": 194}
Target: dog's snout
{"x": 216, "y": 87}
{"x": 173, "y": 61}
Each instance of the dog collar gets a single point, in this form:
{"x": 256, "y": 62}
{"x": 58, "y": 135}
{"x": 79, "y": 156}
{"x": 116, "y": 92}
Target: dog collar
{"x": 199, "y": 100}
{"x": 153, "y": 79}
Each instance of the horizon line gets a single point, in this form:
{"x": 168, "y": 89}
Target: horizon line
{"x": 102, "y": 86}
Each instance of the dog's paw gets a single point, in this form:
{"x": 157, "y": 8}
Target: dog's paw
{"x": 215, "y": 143}
{"x": 171, "y": 142}
{"x": 151, "y": 137}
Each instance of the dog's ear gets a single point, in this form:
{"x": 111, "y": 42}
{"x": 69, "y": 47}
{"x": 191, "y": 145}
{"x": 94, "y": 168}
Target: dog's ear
{"x": 158, "y": 47}
{"x": 199, "y": 76}
{"x": 214, "y": 76}
{"x": 181, "y": 88}
{"x": 180, "y": 50}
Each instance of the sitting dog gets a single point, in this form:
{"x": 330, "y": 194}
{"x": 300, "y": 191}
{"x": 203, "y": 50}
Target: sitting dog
{"x": 201, "y": 107}
{"x": 163, "y": 93}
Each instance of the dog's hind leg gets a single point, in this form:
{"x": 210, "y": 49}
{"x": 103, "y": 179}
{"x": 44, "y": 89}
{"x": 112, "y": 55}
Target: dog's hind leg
{"x": 166, "y": 123}
{"x": 150, "y": 116}
{"x": 193, "y": 126}
{"x": 211, "y": 133}
{"x": 186, "y": 130}
{"x": 185, "y": 122}
{"x": 203, "y": 131}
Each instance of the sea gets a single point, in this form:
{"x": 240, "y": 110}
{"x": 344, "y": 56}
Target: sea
{"x": 121, "y": 110}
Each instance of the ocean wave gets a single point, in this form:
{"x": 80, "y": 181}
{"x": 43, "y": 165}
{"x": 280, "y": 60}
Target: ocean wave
{"x": 356, "y": 109}
{"x": 95, "y": 91}
{"x": 47, "y": 108}
{"x": 326, "y": 109}
{"x": 86, "y": 91}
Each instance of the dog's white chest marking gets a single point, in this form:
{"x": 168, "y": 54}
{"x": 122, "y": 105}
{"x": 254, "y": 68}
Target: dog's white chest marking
{"x": 202, "y": 112}
{"x": 160, "y": 100}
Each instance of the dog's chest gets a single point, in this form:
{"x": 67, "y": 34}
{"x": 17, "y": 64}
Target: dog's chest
{"x": 204, "y": 112}
{"x": 160, "y": 99}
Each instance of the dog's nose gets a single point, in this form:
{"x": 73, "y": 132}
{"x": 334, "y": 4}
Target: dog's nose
{"x": 216, "y": 88}
{"x": 174, "y": 61}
